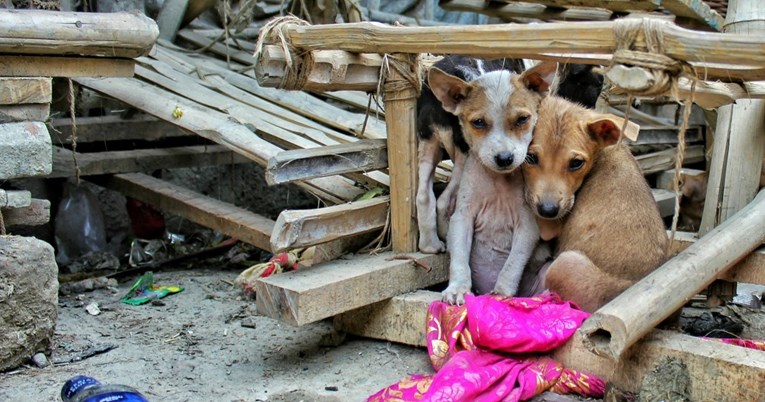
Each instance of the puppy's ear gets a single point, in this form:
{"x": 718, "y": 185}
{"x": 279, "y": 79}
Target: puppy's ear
{"x": 540, "y": 78}
{"x": 607, "y": 128}
{"x": 448, "y": 89}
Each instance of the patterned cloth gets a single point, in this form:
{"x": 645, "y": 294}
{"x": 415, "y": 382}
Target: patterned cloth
{"x": 483, "y": 351}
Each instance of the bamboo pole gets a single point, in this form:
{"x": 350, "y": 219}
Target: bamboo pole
{"x": 400, "y": 118}
{"x": 514, "y": 40}
{"x": 739, "y": 144}
{"x": 120, "y": 35}
{"x": 616, "y": 326}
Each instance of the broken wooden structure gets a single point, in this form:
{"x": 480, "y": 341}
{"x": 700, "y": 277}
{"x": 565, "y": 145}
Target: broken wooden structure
{"x": 338, "y": 155}
{"x": 618, "y": 342}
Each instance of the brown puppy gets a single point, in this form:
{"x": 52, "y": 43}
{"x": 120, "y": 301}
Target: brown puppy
{"x": 589, "y": 192}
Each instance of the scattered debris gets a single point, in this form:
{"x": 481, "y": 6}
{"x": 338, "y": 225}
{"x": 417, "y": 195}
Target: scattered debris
{"x": 87, "y": 353}
{"x": 93, "y": 309}
{"x": 144, "y": 291}
{"x": 40, "y": 360}
{"x": 249, "y": 322}
{"x": 87, "y": 285}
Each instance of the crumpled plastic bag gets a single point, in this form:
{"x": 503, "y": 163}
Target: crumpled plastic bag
{"x": 79, "y": 227}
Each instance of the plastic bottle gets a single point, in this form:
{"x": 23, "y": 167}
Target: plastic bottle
{"x": 87, "y": 389}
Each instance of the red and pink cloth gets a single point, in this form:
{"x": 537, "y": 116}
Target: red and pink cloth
{"x": 490, "y": 350}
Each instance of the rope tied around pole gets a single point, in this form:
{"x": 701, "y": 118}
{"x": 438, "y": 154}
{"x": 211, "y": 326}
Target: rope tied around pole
{"x": 298, "y": 63}
{"x": 408, "y": 75}
{"x": 639, "y": 67}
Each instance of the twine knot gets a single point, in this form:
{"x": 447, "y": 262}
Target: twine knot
{"x": 298, "y": 64}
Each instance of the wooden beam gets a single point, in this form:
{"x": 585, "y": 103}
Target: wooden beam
{"x": 613, "y": 5}
{"x": 718, "y": 372}
{"x": 616, "y": 326}
{"x": 324, "y": 71}
{"x": 63, "y": 66}
{"x": 665, "y": 201}
{"x": 24, "y": 112}
{"x": 121, "y": 35}
{"x": 221, "y": 216}
{"x": 15, "y": 198}
{"x": 170, "y": 18}
{"x": 22, "y": 90}
{"x": 401, "y": 319}
{"x": 141, "y": 160}
{"x": 114, "y": 128}
{"x": 308, "y": 227}
{"x": 309, "y": 295}
{"x": 511, "y": 10}
{"x": 694, "y": 9}
{"x": 662, "y": 160}
{"x": 36, "y": 214}
{"x": 400, "y": 118}
{"x": 302, "y": 164}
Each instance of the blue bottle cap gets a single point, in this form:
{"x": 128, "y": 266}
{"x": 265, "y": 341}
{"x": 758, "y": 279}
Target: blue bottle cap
{"x": 75, "y": 384}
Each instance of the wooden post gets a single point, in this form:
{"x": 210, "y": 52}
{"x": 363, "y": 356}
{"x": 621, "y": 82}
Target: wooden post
{"x": 738, "y": 144}
{"x": 400, "y": 117}
{"x": 619, "y": 324}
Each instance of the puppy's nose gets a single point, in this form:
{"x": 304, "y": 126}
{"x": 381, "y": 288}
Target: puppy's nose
{"x": 547, "y": 210}
{"x": 504, "y": 159}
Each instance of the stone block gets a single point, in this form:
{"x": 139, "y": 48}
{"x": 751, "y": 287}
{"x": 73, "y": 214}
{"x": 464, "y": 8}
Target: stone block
{"x": 28, "y": 299}
{"x": 26, "y": 150}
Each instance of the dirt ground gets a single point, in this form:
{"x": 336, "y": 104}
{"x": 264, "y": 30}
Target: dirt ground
{"x": 207, "y": 344}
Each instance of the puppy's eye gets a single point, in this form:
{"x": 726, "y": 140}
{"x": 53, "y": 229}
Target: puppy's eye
{"x": 531, "y": 159}
{"x": 479, "y": 124}
{"x": 521, "y": 120}
{"x": 575, "y": 164}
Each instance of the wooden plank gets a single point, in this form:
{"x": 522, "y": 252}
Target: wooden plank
{"x": 308, "y": 227}
{"x": 512, "y": 40}
{"x": 613, "y": 5}
{"x": 114, "y": 128}
{"x": 400, "y": 319}
{"x": 711, "y": 95}
{"x": 400, "y": 120}
{"x": 734, "y": 171}
{"x": 213, "y": 125}
{"x": 665, "y": 201}
{"x": 695, "y": 9}
{"x": 62, "y": 66}
{"x": 27, "y": 112}
{"x": 221, "y": 216}
{"x": 328, "y": 69}
{"x": 170, "y": 18}
{"x": 15, "y": 198}
{"x": 23, "y": 90}
{"x": 305, "y": 296}
{"x": 613, "y": 328}
{"x": 658, "y": 161}
{"x": 36, "y": 214}
{"x": 718, "y": 372}
{"x": 122, "y": 34}
{"x": 510, "y": 10}
{"x": 141, "y": 160}
{"x": 301, "y": 164}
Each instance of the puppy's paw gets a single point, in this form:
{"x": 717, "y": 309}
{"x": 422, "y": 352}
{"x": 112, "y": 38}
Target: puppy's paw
{"x": 431, "y": 245}
{"x": 504, "y": 289}
{"x": 455, "y": 293}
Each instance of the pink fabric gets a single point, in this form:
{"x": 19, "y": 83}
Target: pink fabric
{"x": 482, "y": 352}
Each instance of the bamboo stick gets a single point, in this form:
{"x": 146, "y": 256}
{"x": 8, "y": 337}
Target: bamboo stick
{"x": 400, "y": 118}
{"x": 121, "y": 35}
{"x": 513, "y": 40}
{"x": 618, "y": 325}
